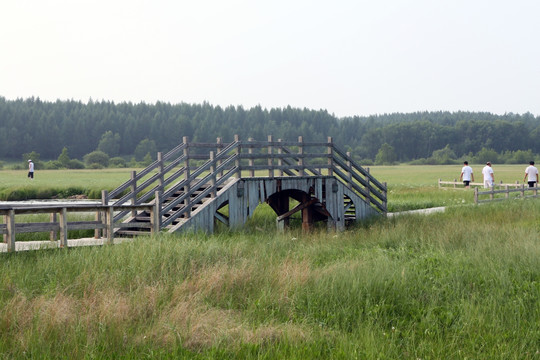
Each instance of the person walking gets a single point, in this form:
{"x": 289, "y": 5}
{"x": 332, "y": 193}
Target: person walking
{"x": 30, "y": 169}
{"x": 531, "y": 172}
{"x": 489, "y": 178}
{"x": 466, "y": 175}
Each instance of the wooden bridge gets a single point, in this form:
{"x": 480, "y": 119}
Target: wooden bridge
{"x": 197, "y": 184}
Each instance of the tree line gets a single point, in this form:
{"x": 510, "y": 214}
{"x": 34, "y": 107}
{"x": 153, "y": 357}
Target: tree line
{"x": 134, "y": 130}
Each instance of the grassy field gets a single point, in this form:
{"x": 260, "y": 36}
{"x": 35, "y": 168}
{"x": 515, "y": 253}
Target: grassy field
{"x": 463, "y": 284}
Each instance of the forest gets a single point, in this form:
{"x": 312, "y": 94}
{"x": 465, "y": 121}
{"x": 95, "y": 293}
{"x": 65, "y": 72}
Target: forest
{"x": 133, "y": 130}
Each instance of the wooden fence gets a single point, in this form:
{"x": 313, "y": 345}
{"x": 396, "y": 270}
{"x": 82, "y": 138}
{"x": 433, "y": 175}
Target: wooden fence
{"x": 457, "y": 184}
{"x": 521, "y": 191}
{"x": 104, "y": 223}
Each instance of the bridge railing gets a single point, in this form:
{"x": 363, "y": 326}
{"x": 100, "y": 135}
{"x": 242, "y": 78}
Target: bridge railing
{"x": 58, "y": 226}
{"x": 190, "y": 165}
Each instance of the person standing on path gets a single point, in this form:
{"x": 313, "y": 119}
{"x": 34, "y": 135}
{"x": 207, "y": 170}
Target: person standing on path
{"x": 30, "y": 169}
{"x": 489, "y": 178}
{"x": 466, "y": 174}
{"x": 531, "y": 172}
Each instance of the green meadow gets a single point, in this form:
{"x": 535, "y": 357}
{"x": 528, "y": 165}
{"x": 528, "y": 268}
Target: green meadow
{"x": 463, "y": 284}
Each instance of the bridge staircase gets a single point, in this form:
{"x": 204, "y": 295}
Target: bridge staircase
{"x": 193, "y": 182}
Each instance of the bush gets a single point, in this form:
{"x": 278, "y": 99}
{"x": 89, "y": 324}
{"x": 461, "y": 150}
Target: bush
{"x": 53, "y": 165}
{"x": 117, "y": 162}
{"x": 75, "y": 164}
{"x": 97, "y": 157}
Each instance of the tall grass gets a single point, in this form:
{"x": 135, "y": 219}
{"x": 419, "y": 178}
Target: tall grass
{"x": 462, "y": 284}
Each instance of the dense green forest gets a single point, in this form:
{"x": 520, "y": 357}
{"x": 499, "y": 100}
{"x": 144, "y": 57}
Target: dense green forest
{"x": 129, "y": 129}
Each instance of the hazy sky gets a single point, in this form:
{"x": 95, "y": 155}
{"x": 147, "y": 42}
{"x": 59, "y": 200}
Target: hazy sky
{"x": 350, "y": 57}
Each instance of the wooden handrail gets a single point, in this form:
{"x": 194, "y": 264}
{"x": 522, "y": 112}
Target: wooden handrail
{"x": 62, "y": 226}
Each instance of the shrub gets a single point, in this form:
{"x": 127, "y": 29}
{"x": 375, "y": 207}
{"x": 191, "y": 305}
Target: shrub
{"x": 75, "y": 164}
{"x": 117, "y": 162}
{"x": 97, "y": 157}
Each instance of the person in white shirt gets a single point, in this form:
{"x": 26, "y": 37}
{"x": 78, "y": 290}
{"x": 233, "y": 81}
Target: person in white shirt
{"x": 30, "y": 169}
{"x": 489, "y": 178}
{"x": 466, "y": 174}
{"x": 531, "y": 172}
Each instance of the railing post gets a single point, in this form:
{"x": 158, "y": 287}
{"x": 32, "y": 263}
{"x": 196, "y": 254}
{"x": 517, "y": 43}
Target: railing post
{"x": 368, "y": 195}
{"x": 349, "y": 170}
{"x": 110, "y": 224}
{"x": 331, "y": 157}
{"x": 250, "y": 160}
{"x": 280, "y": 160}
{"x": 54, "y": 234}
{"x": 133, "y": 191}
{"x": 104, "y": 202}
{"x": 187, "y": 187}
{"x": 522, "y": 190}
{"x": 160, "y": 167}
{"x": 507, "y": 193}
{"x": 270, "y": 158}
{"x": 492, "y": 192}
{"x": 155, "y": 217}
{"x": 238, "y": 152}
{"x": 455, "y": 181}
{"x": 219, "y": 146}
{"x": 301, "y": 155}
{"x": 385, "y": 193}
{"x": 63, "y": 228}
{"x": 97, "y": 232}
{"x": 212, "y": 175}
{"x": 476, "y": 196}
{"x": 10, "y": 226}
{"x": 439, "y": 183}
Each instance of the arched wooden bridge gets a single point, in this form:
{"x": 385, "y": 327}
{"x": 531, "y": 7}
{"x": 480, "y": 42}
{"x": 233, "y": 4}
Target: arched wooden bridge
{"x": 197, "y": 184}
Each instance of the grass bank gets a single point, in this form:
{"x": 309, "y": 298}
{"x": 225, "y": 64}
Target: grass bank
{"x": 456, "y": 285}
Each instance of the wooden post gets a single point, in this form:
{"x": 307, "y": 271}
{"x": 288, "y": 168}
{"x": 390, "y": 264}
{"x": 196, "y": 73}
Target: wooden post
{"x": 160, "y": 169}
{"x": 385, "y": 192}
{"x": 301, "y": 156}
{"x": 507, "y": 193}
{"x": 155, "y": 217}
{"x": 212, "y": 175}
{"x": 104, "y": 201}
{"x": 330, "y": 156}
{"x": 219, "y": 147}
{"x": 250, "y": 160}
{"x": 133, "y": 191}
{"x": 307, "y": 215}
{"x": 439, "y": 183}
{"x": 97, "y": 232}
{"x": 270, "y": 158}
{"x": 368, "y": 195}
{"x": 54, "y": 234}
{"x": 476, "y": 196}
{"x": 110, "y": 225}
{"x": 187, "y": 187}
{"x": 492, "y": 194}
{"x": 238, "y": 152}
{"x": 522, "y": 190}
{"x": 280, "y": 160}
{"x": 349, "y": 170}
{"x": 455, "y": 181}
{"x": 10, "y": 227}
{"x": 63, "y": 228}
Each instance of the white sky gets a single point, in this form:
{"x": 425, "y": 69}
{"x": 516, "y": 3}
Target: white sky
{"x": 350, "y": 57}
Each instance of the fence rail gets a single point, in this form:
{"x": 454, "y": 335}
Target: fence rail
{"x": 521, "y": 191}
{"x": 59, "y": 224}
{"x": 456, "y": 183}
